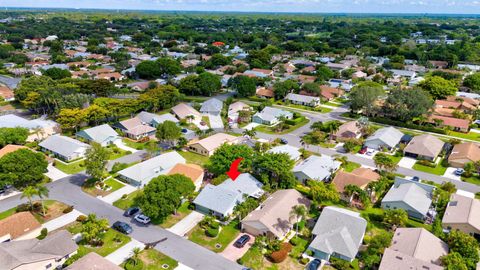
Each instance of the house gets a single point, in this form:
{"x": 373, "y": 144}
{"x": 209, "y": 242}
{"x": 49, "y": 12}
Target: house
{"x": 136, "y": 129}
{"x": 292, "y": 151}
{"x": 184, "y": 111}
{"x": 260, "y": 73}
{"x": 464, "y": 153}
{"x": 272, "y": 218}
{"x": 140, "y": 174}
{"x": 19, "y": 226}
{"x": 337, "y": 66}
{"x": 103, "y": 134}
{"x": 349, "y": 130}
{"x": 221, "y": 200}
{"x": 154, "y": 119}
{"x": 414, "y": 248}
{"x": 64, "y": 148}
{"x": 463, "y": 214}
{"x": 384, "y": 138}
{"x": 264, "y": 92}
{"x": 438, "y": 64}
{"x": 9, "y": 148}
{"x": 329, "y": 93}
{"x": 49, "y": 253}
{"x": 93, "y": 261}
{"x": 424, "y": 147}
{"x": 234, "y": 111}
{"x": 467, "y": 102}
{"x": 303, "y": 100}
{"x": 359, "y": 177}
{"x": 457, "y": 124}
{"x": 413, "y": 197}
{"x": 399, "y": 73}
{"x": 338, "y": 233}
{"x": 212, "y": 106}
{"x": 39, "y": 128}
{"x": 359, "y": 75}
{"x": 207, "y": 146}
{"x": 6, "y": 93}
{"x": 316, "y": 168}
{"x": 270, "y": 116}
{"x": 192, "y": 171}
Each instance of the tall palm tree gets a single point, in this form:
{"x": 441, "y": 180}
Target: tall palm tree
{"x": 29, "y": 192}
{"x": 249, "y": 132}
{"x": 298, "y": 212}
{"x": 42, "y": 192}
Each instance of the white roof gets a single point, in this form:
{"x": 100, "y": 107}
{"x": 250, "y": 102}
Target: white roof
{"x": 318, "y": 168}
{"x": 292, "y": 151}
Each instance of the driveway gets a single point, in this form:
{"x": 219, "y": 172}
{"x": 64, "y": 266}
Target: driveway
{"x": 450, "y": 173}
{"x": 251, "y": 126}
{"x": 216, "y": 121}
{"x": 122, "y": 254}
{"x": 54, "y": 173}
{"x": 138, "y": 156}
{"x": 407, "y": 162}
{"x": 117, "y": 195}
{"x": 187, "y": 223}
{"x": 122, "y": 146}
{"x": 62, "y": 220}
{"x": 233, "y": 253}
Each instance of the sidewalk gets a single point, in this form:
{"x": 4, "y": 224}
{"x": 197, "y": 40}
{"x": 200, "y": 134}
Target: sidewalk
{"x": 54, "y": 173}
{"x": 122, "y": 146}
{"x": 187, "y": 223}
{"x": 122, "y": 254}
{"x": 62, "y": 220}
{"x": 182, "y": 267}
{"x": 116, "y": 195}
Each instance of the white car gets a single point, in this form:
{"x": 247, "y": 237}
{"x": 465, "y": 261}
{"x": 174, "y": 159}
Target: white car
{"x": 142, "y": 219}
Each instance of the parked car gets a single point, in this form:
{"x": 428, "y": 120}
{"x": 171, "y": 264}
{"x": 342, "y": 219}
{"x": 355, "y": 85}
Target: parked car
{"x": 184, "y": 130}
{"x": 459, "y": 171}
{"x": 370, "y": 152}
{"x": 142, "y": 219}
{"x": 122, "y": 227}
{"x": 313, "y": 265}
{"x": 416, "y": 179}
{"x": 240, "y": 243}
{"x": 283, "y": 141}
{"x": 363, "y": 150}
{"x": 132, "y": 211}
{"x": 203, "y": 123}
{"x": 5, "y": 188}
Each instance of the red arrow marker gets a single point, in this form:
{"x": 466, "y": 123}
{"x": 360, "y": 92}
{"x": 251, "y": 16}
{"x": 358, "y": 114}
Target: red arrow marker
{"x": 233, "y": 173}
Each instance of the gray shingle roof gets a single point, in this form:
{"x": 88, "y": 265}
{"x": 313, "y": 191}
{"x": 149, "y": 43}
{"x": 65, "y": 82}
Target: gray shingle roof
{"x": 416, "y": 195}
{"x": 63, "y": 145}
{"x": 246, "y": 184}
{"x": 301, "y": 98}
{"x": 212, "y": 105}
{"x": 292, "y": 151}
{"x": 388, "y": 135}
{"x": 317, "y": 168}
{"x": 270, "y": 113}
{"x": 218, "y": 199}
{"x": 98, "y": 134}
{"x": 11, "y": 120}
{"x": 151, "y": 118}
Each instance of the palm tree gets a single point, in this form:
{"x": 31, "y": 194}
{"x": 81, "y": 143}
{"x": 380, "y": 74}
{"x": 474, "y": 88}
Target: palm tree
{"x": 28, "y": 193}
{"x": 298, "y": 212}
{"x": 135, "y": 254}
{"x": 42, "y": 192}
{"x": 249, "y": 132}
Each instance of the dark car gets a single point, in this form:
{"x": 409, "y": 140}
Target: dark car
{"x": 240, "y": 243}
{"x": 283, "y": 141}
{"x": 313, "y": 265}
{"x": 122, "y": 227}
{"x": 416, "y": 179}
{"x": 132, "y": 211}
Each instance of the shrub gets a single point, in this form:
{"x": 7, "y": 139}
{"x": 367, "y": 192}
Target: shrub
{"x": 81, "y": 218}
{"x": 294, "y": 241}
{"x": 301, "y": 225}
{"x": 118, "y": 167}
{"x": 214, "y": 225}
{"x": 211, "y": 232}
{"x": 24, "y": 207}
{"x": 43, "y": 234}
{"x": 309, "y": 252}
{"x": 68, "y": 209}
{"x": 445, "y": 163}
{"x": 280, "y": 255}
{"x": 407, "y": 125}
{"x": 304, "y": 261}
{"x": 427, "y": 163}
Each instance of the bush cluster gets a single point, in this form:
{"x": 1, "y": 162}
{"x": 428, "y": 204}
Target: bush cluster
{"x": 280, "y": 255}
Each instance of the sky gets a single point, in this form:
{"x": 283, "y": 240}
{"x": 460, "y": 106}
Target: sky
{"x": 317, "y": 6}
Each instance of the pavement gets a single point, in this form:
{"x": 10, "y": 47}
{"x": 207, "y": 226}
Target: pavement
{"x": 61, "y": 221}
{"x": 407, "y": 162}
{"x": 123, "y": 146}
{"x": 450, "y": 173}
{"x": 117, "y": 194}
{"x": 233, "y": 253}
{"x": 122, "y": 254}
{"x": 68, "y": 191}
{"x": 187, "y": 223}
{"x": 216, "y": 121}
{"x": 138, "y": 156}
{"x": 54, "y": 173}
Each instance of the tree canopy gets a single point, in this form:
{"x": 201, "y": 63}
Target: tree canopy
{"x": 22, "y": 168}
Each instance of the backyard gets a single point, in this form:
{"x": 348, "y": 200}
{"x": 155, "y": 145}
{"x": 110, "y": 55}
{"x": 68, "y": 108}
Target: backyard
{"x": 219, "y": 243}
{"x": 133, "y": 144}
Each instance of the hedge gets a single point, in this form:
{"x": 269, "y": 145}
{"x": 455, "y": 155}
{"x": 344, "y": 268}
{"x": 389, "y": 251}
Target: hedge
{"x": 281, "y": 255}
{"x": 295, "y": 121}
{"x": 211, "y": 232}
{"x": 387, "y": 121}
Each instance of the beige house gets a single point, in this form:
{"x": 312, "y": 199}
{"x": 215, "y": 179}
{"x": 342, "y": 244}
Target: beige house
{"x": 414, "y": 248}
{"x": 207, "y": 146}
{"x": 349, "y": 130}
{"x": 463, "y": 214}
{"x": 183, "y": 111}
{"x": 34, "y": 254}
{"x": 192, "y": 171}
{"x": 19, "y": 226}
{"x": 272, "y": 219}
{"x": 464, "y": 153}
{"x": 424, "y": 146}
{"x": 359, "y": 177}
{"x": 93, "y": 261}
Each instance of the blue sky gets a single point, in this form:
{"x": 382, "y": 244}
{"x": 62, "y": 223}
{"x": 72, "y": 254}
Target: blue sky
{"x": 350, "y": 6}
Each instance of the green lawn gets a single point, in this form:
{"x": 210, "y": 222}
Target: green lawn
{"x": 253, "y": 258}
{"x": 438, "y": 170}
{"x": 70, "y": 168}
{"x": 319, "y": 109}
{"x": 134, "y": 145}
{"x": 194, "y": 158}
{"x": 396, "y": 159}
{"x": 116, "y": 185}
{"x": 475, "y": 179}
{"x": 128, "y": 202}
{"x": 299, "y": 248}
{"x": 53, "y": 208}
{"x": 227, "y": 234}
{"x": 151, "y": 259}
{"x": 182, "y": 212}
{"x": 350, "y": 166}
{"x": 270, "y": 130}
{"x": 333, "y": 104}
{"x": 7, "y": 213}
{"x": 116, "y": 152}
{"x": 469, "y": 136}
{"x": 206, "y": 119}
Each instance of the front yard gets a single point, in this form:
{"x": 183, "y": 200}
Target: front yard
{"x": 111, "y": 183}
{"x": 53, "y": 208}
{"x": 350, "y": 166}
{"x": 134, "y": 145}
{"x": 219, "y": 243}
{"x": 288, "y": 128}
{"x": 127, "y": 202}
{"x": 151, "y": 259}
{"x": 71, "y": 167}
{"x": 439, "y": 169}
{"x": 182, "y": 212}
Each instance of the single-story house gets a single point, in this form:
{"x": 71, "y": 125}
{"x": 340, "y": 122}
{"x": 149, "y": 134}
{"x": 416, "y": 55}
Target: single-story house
{"x": 264, "y": 92}
{"x": 338, "y": 233}
{"x": 93, "y": 261}
{"x": 208, "y": 145}
{"x": 6, "y": 93}
{"x": 329, "y": 93}
{"x": 234, "y": 111}
{"x": 104, "y": 135}
{"x": 19, "y": 226}
{"x": 9, "y": 148}
{"x": 212, "y": 106}
{"x": 424, "y": 147}
{"x": 260, "y": 73}
{"x": 221, "y": 200}
{"x": 413, "y": 197}
{"x": 292, "y": 151}
{"x": 316, "y": 168}
{"x": 387, "y": 137}
{"x": 270, "y": 116}
{"x": 135, "y": 129}
{"x": 457, "y": 124}
{"x": 154, "y": 119}
{"x": 64, "y": 148}
{"x": 349, "y": 130}
{"x": 463, "y": 214}
{"x": 359, "y": 177}
{"x": 39, "y": 128}
{"x": 414, "y": 248}
{"x": 272, "y": 218}
{"x": 192, "y": 171}
{"x": 303, "y": 100}
{"x": 464, "y": 153}
{"x": 140, "y": 174}
{"x": 49, "y": 253}
{"x": 182, "y": 111}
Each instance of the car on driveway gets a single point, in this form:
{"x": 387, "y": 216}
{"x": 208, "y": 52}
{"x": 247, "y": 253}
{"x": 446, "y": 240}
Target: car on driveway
{"x": 313, "y": 265}
{"x": 132, "y": 211}
{"x": 363, "y": 150}
{"x": 283, "y": 141}
{"x": 242, "y": 241}
{"x": 459, "y": 171}
{"x": 416, "y": 179}
{"x": 122, "y": 227}
{"x": 141, "y": 218}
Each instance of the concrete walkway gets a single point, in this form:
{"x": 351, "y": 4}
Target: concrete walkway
{"x": 183, "y": 267}
{"x": 216, "y": 121}
{"x": 122, "y": 146}
{"x": 54, "y": 173}
{"x": 116, "y": 195}
{"x": 187, "y": 223}
{"x": 62, "y": 220}
{"x": 407, "y": 162}
{"x": 122, "y": 254}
